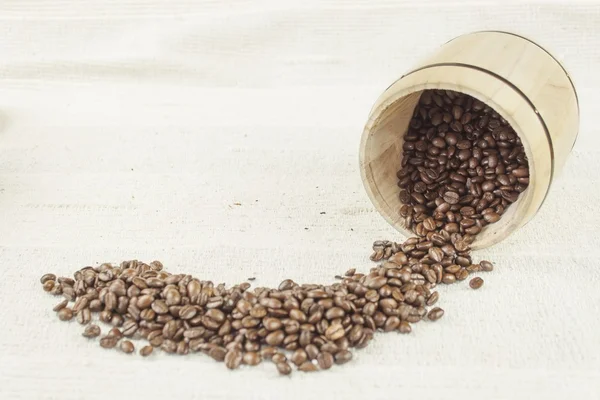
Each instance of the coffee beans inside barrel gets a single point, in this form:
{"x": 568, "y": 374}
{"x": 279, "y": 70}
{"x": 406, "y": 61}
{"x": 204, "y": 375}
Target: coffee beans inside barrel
{"x": 462, "y": 165}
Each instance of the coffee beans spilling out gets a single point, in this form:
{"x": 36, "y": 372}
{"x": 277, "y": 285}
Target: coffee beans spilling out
{"x": 462, "y": 167}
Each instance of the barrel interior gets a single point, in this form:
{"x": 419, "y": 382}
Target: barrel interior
{"x": 382, "y": 157}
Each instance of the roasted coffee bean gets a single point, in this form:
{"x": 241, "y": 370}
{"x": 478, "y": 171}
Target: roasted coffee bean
{"x": 284, "y": 368}
{"x": 60, "y": 305}
{"x": 435, "y": 314}
{"x": 251, "y": 358}
{"x": 404, "y": 327}
{"x": 146, "y": 351}
{"x": 217, "y": 353}
{"x": 432, "y": 299}
{"x": 486, "y": 266}
{"x": 308, "y": 366}
{"x": 278, "y": 357}
{"x": 127, "y": 347}
{"x": 275, "y": 338}
{"x": 311, "y": 351}
{"x": 299, "y": 356}
{"x": 343, "y": 357}
{"x": 49, "y": 285}
{"x": 325, "y": 360}
{"x": 272, "y": 324}
{"x": 84, "y": 316}
{"x": 65, "y": 314}
{"x": 47, "y": 277}
{"x": 91, "y": 331}
{"x": 109, "y": 342}
{"x": 476, "y": 283}
{"x": 129, "y": 328}
{"x": 334, "y": 332}
{"x": 258, "y": 311}
{"x": 267, "y": 352}
{"x": 169, "y": 346}
{"x": 95, "y": 305}
{"x": 115, "y": 332}
{"x": 117, "y": 320}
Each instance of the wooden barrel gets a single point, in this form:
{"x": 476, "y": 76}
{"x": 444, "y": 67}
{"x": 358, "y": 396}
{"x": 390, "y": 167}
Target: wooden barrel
{"x": 517, "y": 78}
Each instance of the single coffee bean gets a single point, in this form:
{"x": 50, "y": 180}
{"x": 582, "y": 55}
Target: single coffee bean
{"x": 60, "y": 305}
{"x": 169, "y": 346}
{"x": 476, "y": 283}
{"x": 252, "y": 358}
{"x": 435, "y": 314}
{"x": 127, "y": 347}
{"x": 404, "y": 327}
{"x": 84, "y": 316}
{"x": 284, "y": 368}
{"x": 65, "y": 314}
{"x": 343, "y": 357}
{"x": 91, "y": 331}
{"x": 95, "y": 305}
{"x": 217, "y": 353}
{"x": 49, "y": 286}
{"x": 312, "y": 351}
{"x": 278, "y": 357}
{"x": 47, "y": 277}
{"x": 109, "y": 342}
{"x": 275, "y": 338}
{"x": 325, "y": 360}
{"x": 129, "y": 328}
{"x": 308, "y": 366}
{"x": 299, "y": 357}
{"x": 268, "y": 352}
{"x": 486, "y": 266}
{"x": 433, "y": 298}
{"x": 146, "y": 351}
{"x": 116, "y": 333}
{"x": 334, "y": 332}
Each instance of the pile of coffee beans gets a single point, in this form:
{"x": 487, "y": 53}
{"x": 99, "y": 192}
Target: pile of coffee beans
{"x": 461, "y": 168}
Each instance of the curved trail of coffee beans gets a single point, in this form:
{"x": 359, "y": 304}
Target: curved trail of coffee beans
{"x": 462, "y": 167}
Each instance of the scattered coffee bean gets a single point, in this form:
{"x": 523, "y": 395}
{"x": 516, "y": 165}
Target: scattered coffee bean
{"x": 252, "y": 358}
{"x": 48, "y": 286}
{"x": 91, "y": 331}
{"x": 116, "y": 333}
{"x": 404, "y": 327}
{"x": 146, "y": 351}
{"x": 343, "y": 357}
{"x": 325, "y": 360}
{"x": 127, "y": 347}
{"x": 109, "y": 342}
{"x": 308, "y": 366}
{"x": 284, "y": 368}
{"x": 47, "y": 277}
{"x": 65, "y": 314}
{"x": 476, "y": 283}
{"x": 60, "y": 305}
{"x": 217, "y": 353}
{"x": 299, "y": 356}
{"x": 486, "y": 266}
{"x": 435, "y": 314}
{"x": 84, "y": 316}
{"x": 278, "y": 357}
{"x": 233, "y": 359}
